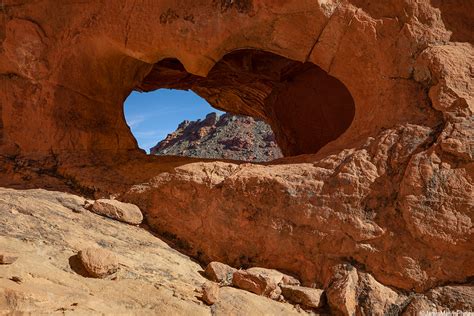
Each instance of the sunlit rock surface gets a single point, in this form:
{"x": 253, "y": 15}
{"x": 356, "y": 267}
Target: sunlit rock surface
{"x": 371, "y": 103}
{"x": 221, "y": 137}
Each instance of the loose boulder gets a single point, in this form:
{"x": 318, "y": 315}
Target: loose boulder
{"x": 262, "y": 281}
{"x": 305, "y": 296}
{"x": 354, "y": 292}
{"x": 124, "y": 212}
{"x": 99, "y": 263}
{"x": 256, "y": 283}
{"x": 210, "y": 293}
{"x": 342, "y": 293}
{"x": 275, "y": 275}
{"x": 219, "y": 272}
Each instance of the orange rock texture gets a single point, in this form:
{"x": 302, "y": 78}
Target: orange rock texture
{"x": 375, "y": 97}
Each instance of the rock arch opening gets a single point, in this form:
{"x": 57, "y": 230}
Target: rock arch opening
{"x": 305, "y": 106}
{"x": 170, "y": 122}
{"x": 152, "y": 116}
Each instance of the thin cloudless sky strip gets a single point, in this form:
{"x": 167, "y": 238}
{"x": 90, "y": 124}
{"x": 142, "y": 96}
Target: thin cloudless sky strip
{"x": 153, "y": 115}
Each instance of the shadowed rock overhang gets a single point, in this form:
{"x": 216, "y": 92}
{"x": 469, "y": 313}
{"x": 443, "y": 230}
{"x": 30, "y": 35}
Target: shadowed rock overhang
{"x": 306, "y": 107}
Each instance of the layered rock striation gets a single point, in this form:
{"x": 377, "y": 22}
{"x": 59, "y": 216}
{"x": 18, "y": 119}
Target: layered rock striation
{"x": 221, "y": 137}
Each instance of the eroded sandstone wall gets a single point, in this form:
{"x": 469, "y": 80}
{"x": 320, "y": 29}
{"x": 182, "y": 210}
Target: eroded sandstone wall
{"x": 76, "y": 63}
{"x": 392, "y": 194}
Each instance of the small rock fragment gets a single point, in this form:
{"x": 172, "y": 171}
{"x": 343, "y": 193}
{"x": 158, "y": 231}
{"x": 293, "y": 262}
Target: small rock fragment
{"x": 256, "y": 283}
{"x": 219, "y": 272}
{"x": 99, "y": 263}
{"x": 125, "y": 212}
{"x": 6, "y": 258}
{"x": 305, "y": 296}
{"x": 262, "y": 281}
{"x": 275, "y": 275}
{"x": 289, "y": 280}
{"x": 210, "y": 293}
{"x": 88, "y": 204}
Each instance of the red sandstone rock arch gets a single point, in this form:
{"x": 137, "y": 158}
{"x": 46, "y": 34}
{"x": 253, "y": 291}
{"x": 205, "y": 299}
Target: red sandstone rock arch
{"x": 306, "y": 107}
{"x": 65, "y": 71}
{"x": 77, "y": 75}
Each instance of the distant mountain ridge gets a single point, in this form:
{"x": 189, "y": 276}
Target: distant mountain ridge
{"x": 221, "y": 137}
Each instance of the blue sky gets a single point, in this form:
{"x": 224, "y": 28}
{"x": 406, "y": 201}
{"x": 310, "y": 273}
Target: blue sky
{"x": 153, "y": 115}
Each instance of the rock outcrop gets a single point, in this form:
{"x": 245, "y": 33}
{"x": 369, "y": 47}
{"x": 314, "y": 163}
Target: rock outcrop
{"x": 49, "y": 277}
{"x": 376, "y": 98}
{"x": 221, "y": 137}
{"x": 364, "y": 203}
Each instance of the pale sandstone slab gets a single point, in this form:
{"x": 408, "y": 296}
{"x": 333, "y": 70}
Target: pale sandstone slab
{"x": 277, "y": 276}
{"x": 125, "y": 212}
{"x": 153, "y": 278}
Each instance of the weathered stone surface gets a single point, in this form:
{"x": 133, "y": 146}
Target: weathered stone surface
{"x": 124, "y": 212}
{"x": 262, "y": 281}
{"x": 210, "y": 293}
{"x": 237, "y": 302}
{"x": 153, "y": 278}
{"x": 342, "y": 291}
{"x": 447, "y": 68}
{"x": 7, "y": 258}
{"x": 255, "y": 283}
{"x": 306, "y": 296}
{"x": 379, "y": 89}
{"x": 33, "y": 53}
{"x": 346, "y": 204}
{"x": 274, "y": 276}
{"x": 351, "y": 292}
{"x": 98, "y": 262}
{"x": 442, "y": 299}
{"x": 219, "y": 272}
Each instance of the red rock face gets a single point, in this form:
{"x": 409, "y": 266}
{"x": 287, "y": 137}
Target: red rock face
{"x": 227, "y": 136}
{"x": 378, "y": 95}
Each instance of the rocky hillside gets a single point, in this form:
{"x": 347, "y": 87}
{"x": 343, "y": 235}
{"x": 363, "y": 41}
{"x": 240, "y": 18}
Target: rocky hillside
{"x": 43, "y": 269}
{"x": 74, "y": 256}
{"x": 221, "y": 137}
